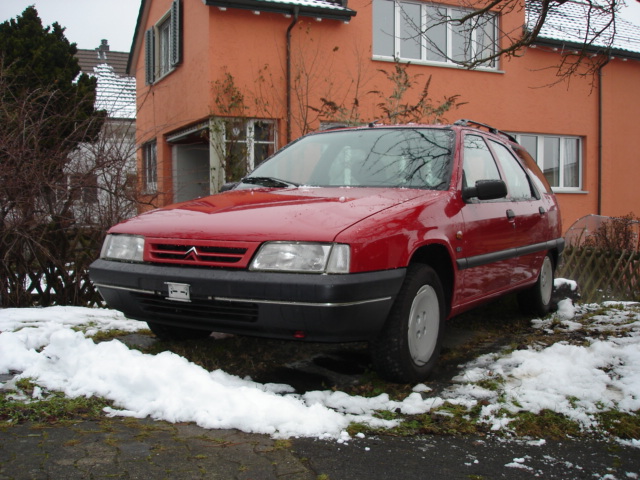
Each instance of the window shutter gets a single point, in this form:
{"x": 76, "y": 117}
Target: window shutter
{"x": 176, "y": 33}
{"x": 149, "y": 56}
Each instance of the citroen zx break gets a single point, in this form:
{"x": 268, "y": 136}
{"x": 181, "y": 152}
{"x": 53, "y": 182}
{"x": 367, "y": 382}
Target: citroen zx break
{"x": 376, "y": 234}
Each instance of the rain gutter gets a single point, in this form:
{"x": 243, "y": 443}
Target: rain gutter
{"x": 296, "y": 12}
{"x": 600, "y": 133}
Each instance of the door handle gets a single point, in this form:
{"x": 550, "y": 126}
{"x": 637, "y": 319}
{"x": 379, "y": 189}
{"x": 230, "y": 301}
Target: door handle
{"x": 511, "y": 214}
{"x": 542, "y": 210}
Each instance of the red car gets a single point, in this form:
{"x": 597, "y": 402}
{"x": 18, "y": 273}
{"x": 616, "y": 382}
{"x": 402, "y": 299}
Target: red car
{"x": 375, "y": 234}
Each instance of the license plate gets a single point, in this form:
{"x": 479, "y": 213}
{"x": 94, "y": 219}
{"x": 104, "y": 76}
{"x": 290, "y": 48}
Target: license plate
{"x": 178, "y": 292}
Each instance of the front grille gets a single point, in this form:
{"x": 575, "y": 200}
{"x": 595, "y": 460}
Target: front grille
{"x": 200, "y": 252}
{"x": 197, "y": 310}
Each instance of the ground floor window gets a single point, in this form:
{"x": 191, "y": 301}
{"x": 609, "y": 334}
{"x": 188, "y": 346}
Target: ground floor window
{"x": 559, "y": 157}
{"x": 150, "y": 167}
{"x": 84, "y": 187}
{"x": 248, "y": 142}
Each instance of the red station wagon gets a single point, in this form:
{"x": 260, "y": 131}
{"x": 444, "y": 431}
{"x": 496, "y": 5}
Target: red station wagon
{"x": 374, "y": 234}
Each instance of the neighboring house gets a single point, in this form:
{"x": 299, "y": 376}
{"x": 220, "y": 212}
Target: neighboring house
{"x": 108, "y": 170}
{"x": 222, "y": 81}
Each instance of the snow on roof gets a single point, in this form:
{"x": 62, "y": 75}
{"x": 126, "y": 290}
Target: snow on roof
{"x": 116, "y": 91}
{"x": 578, "y": 23}
{"x": 115, "y": 94}
{"x": 310, "y": 3}
{"x": 335, "y": 9}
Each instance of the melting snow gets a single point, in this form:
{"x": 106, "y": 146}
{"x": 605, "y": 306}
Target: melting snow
{"x": 52, "y": 346}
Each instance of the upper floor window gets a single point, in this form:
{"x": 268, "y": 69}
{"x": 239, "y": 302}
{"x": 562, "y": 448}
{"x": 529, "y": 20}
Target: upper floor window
{"x": 429, "y": 33}
{"x": 163, "y": 45}
{"x": 559, "y": 157}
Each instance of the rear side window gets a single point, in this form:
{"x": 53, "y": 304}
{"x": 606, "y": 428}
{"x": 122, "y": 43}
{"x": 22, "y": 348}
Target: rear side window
{"x": 478, "y": 161}
{"x": 516, "y": 178}
{"x": 537, "y": 176}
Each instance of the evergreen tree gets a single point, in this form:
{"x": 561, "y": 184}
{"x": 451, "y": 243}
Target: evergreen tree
{"x": 46, "y": 113}
{"x": 36, "y": 60}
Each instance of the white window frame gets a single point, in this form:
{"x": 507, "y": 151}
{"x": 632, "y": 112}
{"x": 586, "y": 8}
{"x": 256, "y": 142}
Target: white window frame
{"x": 163, "y": 45}
{"x": 251, "y": 141}
{"x": 150, "y": 167}
{"x": 449, "y": 54}
{"x": 562, "y": 160}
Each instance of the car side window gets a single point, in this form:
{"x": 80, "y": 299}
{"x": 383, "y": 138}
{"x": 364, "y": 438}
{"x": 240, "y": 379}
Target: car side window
{"x": 539, "y": 180}
{"x": 478, "y": 163}
{"x": 516, "y": 178}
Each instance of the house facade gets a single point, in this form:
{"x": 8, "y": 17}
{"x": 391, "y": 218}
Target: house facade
{"x": 222, "y": 84}
{"x": 106, "y": 168}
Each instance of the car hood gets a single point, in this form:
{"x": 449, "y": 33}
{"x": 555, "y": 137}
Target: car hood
{"x": 302, "y": 214}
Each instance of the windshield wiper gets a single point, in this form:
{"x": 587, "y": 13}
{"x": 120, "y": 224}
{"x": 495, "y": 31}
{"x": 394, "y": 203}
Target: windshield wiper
{"x": 269, "y": 182}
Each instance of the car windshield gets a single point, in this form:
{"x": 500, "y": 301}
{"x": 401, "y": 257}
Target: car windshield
{"x": 375, "y": 157}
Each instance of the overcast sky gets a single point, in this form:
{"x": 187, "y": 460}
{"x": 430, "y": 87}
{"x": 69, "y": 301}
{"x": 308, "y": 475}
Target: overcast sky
{"x": 87, "y": 22}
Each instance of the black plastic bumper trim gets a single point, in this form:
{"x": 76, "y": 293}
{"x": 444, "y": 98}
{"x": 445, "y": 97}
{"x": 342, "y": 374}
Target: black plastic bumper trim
{"x": 493, "y": 257}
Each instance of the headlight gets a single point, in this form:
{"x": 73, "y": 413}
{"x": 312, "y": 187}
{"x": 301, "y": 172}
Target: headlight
{"x": 126, "y": 248}
{"x": 303, "y": 257}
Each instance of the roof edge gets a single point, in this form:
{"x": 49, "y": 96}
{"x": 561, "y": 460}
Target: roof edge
{"x": 592, "y": 49}
{"x": 340, "y": 12}
{"x": 132, "y": 51}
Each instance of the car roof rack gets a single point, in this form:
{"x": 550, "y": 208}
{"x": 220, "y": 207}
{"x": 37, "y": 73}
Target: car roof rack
{"x": 464, "y": 122}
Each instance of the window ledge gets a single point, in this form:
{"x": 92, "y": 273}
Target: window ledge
{"x": 428, "y": 63}
{"x": 159, "y": 78}
{"x": 568, "y": 190}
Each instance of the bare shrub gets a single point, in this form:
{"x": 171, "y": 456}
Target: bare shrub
{"x": 616, "y": 234}
{"x": 56, "y": 197}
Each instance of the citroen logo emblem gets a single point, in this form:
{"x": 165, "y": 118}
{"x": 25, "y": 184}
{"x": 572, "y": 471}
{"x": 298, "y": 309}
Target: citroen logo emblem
{"x": 192, "y": 254}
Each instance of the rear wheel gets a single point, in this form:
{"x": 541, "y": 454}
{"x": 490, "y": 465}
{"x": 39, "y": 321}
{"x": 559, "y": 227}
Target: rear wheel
{"x": 169, "y": 333}
{"x": 407, "y": 348}
{"x": 537, "y": 299}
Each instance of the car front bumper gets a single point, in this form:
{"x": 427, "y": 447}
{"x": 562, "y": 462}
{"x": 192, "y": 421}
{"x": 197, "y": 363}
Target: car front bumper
{"x": 335, "y": 308}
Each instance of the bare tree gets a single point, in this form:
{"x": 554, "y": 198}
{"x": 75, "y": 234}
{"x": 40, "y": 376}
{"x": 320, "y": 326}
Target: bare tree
{"x": 55, "y": 200}
{"x": 397, "y": 109}
{"x": 230, "y": 112}
{"x": 102, "y": 178}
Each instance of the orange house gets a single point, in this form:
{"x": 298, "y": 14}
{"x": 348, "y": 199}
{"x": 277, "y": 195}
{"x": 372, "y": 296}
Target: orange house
{"x": 221, "y": 84}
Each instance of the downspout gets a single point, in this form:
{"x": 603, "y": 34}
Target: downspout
{"x": 600, "y": 134}
{"x": 296, "y": 11}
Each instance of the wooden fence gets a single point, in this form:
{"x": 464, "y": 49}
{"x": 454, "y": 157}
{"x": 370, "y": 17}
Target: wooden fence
{"x": 50, "y": 267}
{"x": 602, "y": 274}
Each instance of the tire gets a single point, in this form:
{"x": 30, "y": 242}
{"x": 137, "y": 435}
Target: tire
{"x": 169, "y": 333}
{"x": 538, "y": 299}
{"x": 407, "y": 348}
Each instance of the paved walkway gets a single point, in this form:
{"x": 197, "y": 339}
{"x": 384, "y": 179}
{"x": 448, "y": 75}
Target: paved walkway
{"x": 144, "y": 449}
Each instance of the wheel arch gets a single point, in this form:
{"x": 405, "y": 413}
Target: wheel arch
{"x": 437, "y": 257}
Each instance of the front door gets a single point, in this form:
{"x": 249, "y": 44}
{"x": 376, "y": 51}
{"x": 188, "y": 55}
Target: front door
{"x": 486, "y": 260}
{"x": 191, "y": 172}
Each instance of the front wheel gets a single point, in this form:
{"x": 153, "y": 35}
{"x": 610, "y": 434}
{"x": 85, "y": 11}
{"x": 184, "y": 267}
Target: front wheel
{"x": 169, "y": 333}
{"x": 537, "y": 299}
{"x": 407, "y": 348}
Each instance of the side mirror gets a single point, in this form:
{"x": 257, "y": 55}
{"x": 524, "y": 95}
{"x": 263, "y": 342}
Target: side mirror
{"x": 228, "y": 186}
{"x": 486, "y": 190}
